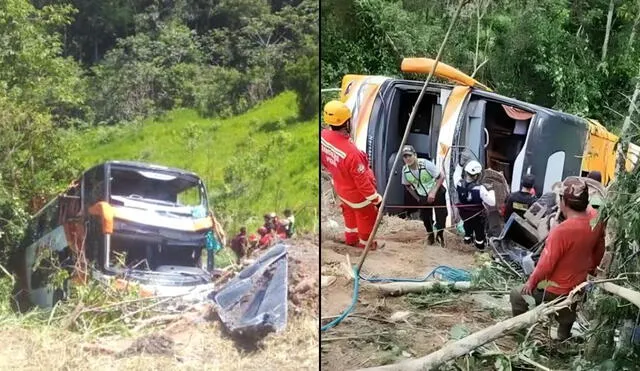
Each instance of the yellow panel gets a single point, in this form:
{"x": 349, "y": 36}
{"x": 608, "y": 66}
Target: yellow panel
{"x": 444, "y": 71}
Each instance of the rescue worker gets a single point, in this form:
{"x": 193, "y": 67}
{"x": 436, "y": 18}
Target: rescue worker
{"x": 572, "y": 251}
{"x": 288, "y": 223}
{"x": 352, "y": 178}
{"x": 519, "y": 202}
{"x": 239, "y": 244}
{"x": 472, "y": 196}
{"x": 423, "y": 181}
{"x": 270, "y": 221}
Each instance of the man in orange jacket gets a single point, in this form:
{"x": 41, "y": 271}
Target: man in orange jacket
{"x": 352, "y": 178}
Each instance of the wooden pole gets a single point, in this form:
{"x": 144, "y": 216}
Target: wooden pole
{"x": 414, "y": 112}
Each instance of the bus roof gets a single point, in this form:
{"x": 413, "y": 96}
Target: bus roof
{"x": 143, "y": 166}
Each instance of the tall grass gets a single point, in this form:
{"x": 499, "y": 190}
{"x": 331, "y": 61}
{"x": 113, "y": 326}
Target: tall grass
{"x": 287, "y": 148}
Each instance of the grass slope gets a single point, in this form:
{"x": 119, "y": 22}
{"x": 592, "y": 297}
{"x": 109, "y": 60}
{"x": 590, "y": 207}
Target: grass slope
{"x": 213, "y": 147}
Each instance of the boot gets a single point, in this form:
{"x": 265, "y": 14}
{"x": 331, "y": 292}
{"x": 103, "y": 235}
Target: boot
{"x": 440, "y": 238}
{"x": 430, "y": 239}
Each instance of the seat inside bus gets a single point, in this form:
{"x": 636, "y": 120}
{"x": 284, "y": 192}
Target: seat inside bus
{"x": 507, "y": 128}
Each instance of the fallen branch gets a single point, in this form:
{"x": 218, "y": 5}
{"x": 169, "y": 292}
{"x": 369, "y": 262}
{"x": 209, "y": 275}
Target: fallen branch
{"x": 400, "y": 288}
{"x": 464, "y": 346}
{"x": 13, "y": 280}
{"x": 630, "y": 295}
{"x": 533, "y": 363}
{"x": 477, "y": 339}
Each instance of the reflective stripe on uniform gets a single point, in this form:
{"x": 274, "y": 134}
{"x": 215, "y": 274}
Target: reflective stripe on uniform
{"x": 332, "y": 148}
{"x": 351, "y": 230}
{"x": 358, "y": 205}
{"x": 373, "y": 197}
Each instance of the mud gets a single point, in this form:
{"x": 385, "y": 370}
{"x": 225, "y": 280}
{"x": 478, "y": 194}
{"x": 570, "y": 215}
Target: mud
{"x": 150, "y": 344}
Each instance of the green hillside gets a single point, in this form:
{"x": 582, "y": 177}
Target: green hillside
{"x": 263, "y": 160}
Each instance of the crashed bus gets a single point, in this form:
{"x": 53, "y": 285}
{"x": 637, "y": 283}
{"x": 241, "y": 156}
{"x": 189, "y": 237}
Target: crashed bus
{"x": 467, "y": 120}
{"x": 126, "y": 222}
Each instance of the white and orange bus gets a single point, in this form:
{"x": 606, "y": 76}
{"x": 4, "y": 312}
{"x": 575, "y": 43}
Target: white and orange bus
{"x": 466, "y": 117}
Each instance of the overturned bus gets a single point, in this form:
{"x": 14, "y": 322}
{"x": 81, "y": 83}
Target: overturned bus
{"x": 457, "y": 122}
{"x": 124, "y": 222}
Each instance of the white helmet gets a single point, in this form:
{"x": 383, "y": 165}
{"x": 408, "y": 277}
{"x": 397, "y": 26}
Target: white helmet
{"x": 473, "y": 168}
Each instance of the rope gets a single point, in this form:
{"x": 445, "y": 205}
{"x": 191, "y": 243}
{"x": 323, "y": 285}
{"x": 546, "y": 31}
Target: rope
{"x": 414, "y": 112}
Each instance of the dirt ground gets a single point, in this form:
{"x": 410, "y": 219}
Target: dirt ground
{"x": 372, "y": 335}
{"x": 188, "y": 344}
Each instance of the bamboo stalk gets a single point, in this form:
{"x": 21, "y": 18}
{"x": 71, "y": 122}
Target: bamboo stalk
{"x": 400, "y": 288}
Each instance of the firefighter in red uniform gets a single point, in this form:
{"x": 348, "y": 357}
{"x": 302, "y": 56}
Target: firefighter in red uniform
{"x": 351, "y": 176}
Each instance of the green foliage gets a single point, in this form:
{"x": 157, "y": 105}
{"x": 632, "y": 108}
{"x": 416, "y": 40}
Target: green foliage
{"x": 33, "y": 70}
{"x": 303, "y": 78}
{"x": 147, "y": 74}
{"x": 458, "y": 331}
{"x": 221, "y": 92}
{"x": 38, "y": 161}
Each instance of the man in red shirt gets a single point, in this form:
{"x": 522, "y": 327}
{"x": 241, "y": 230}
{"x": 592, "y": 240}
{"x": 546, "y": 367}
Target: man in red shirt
{"x": 573, "y": 250}
{"x": 351, "y": 176}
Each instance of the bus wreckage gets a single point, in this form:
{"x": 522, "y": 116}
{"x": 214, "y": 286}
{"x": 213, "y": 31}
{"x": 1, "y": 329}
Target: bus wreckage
{"x": 143, "y": 225}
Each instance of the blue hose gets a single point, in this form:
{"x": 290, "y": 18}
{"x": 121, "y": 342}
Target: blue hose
{"x": 354, "y": 301}
{"x": 448, "y": 273}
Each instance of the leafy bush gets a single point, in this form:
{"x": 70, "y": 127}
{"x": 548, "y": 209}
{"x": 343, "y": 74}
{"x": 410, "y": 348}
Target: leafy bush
{"x": 147, "y": 74}
{"x": 220, "y": 92}
{"x": 302, "y": 77}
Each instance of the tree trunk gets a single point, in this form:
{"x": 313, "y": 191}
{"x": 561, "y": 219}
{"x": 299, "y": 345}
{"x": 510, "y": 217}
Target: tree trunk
{"x": 632, "y": 36}
{"x": 623, "y": 145}
{"x": 401, "y": 288}
{"x": 607, "y": 33}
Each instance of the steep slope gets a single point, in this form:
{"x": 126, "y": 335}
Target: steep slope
{"x": 263, "y": 160}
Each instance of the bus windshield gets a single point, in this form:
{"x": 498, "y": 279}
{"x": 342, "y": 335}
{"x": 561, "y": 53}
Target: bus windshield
{"x": 129, "y": 185}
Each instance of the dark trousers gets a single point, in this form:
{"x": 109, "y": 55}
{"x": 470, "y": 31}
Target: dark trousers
{"x": 440, "y": 212}
{"x": 474, "y": 229}
{"x": 565, "y": 316}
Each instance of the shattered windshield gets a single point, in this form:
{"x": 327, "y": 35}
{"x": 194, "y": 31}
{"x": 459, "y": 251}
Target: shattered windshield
{"x": 129, "y": 186}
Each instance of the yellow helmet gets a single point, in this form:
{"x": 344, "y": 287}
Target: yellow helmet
{"x": 336, "y": 113}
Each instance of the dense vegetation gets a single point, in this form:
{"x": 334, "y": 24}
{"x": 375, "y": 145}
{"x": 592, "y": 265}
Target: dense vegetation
{"x": 71, "y": 67}
{"x": 576, "y": 56}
